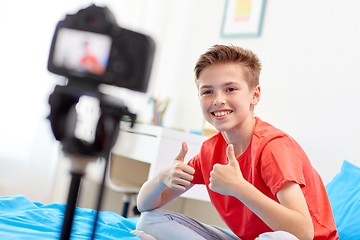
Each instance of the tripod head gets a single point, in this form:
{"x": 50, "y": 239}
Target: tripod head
{"x": 63, "y": 119}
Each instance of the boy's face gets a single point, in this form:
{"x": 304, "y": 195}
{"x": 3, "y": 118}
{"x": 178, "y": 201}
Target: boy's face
{"x": 225, "y": 98}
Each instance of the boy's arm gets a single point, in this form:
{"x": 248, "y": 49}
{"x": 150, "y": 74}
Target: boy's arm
{"x": 168, "y": 184}
{"x": 291, "y": 215}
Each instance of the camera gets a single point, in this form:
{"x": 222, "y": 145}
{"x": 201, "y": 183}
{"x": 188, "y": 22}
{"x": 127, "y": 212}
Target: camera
{"x": 90, "y": 47}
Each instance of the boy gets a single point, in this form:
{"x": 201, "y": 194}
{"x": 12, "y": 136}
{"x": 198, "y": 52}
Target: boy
{"x": 258, "y": 178}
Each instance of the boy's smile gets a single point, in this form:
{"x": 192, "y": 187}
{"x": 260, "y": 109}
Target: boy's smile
{"x": 225, "y": 98}
{"x": 221, "y": 113}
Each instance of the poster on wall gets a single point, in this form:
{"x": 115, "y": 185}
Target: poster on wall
{"x": 243, "y": 18}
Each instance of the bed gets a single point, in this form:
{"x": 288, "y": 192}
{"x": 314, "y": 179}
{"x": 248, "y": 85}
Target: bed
{"x": 21, "y": 218}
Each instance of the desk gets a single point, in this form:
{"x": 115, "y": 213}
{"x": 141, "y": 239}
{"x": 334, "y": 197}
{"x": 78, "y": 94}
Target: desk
{"x": 158, "y": 147}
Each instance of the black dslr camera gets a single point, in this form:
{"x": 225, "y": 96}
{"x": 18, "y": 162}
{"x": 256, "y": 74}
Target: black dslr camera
{"x": 90, "y": 49}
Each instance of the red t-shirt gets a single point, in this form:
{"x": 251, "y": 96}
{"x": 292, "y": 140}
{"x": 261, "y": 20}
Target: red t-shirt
{"x": 272, "y": 159}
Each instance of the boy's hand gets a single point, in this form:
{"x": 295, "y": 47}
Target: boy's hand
{"x": 225, "y": 178}
{"x": 179, "y": 175}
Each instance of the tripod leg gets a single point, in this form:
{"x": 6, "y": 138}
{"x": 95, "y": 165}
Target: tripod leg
{"x": 101, "y": 193}
{"x": 71, "y": 205}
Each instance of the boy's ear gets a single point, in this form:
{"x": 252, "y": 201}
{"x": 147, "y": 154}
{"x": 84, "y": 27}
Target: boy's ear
{"x": 256, "y": 94}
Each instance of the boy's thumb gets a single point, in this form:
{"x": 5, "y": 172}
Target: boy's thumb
{"x": 182, "y": 153}
{"x": 231, "y": 154}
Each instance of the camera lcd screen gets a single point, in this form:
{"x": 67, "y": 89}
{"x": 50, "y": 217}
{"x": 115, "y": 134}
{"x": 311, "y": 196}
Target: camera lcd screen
{"x": 81, "y": 51}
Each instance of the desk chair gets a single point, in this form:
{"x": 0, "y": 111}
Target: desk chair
{"x": 126, "y": 176}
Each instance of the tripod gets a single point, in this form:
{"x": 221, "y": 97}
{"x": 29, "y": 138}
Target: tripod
{"x": 62, "y": 102}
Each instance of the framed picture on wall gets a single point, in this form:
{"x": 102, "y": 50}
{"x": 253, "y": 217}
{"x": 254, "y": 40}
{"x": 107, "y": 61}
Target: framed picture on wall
{"x": 243, "y": 18}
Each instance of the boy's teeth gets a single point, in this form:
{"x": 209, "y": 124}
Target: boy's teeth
{"x": 219, "y": 114}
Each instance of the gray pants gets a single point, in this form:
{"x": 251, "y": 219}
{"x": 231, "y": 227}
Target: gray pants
{"x": 167, "y": 225}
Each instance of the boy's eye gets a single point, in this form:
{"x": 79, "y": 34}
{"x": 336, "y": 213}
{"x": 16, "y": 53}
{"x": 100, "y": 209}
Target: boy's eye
{"x": 206, "y": 92}
{"x": 230, "y": 89}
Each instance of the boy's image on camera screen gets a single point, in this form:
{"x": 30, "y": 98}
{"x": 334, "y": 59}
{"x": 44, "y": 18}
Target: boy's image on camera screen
{"x": 82, "y": 51}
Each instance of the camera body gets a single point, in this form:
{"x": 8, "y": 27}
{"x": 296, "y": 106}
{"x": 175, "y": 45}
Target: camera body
{"x": 90, "y": 48}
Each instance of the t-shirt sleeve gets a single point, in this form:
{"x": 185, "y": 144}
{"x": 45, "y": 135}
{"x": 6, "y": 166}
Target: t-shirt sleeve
{"x": 196, "y": 164}
{"x": 281, "y": 161}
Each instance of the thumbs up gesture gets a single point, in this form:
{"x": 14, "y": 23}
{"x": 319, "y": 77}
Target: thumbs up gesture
{"x": 224, "y": 179}
{"x": 178, "y": 175}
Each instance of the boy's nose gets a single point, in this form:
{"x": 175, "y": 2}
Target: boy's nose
{"x": 219, "y": 100}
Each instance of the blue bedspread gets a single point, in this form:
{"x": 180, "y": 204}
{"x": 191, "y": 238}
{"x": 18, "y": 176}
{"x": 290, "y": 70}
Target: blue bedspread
{"x": 21, "y": 218}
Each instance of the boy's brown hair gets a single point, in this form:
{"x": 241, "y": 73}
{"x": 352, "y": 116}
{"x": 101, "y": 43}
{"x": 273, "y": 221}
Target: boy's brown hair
{"x": 231, "y": 54}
